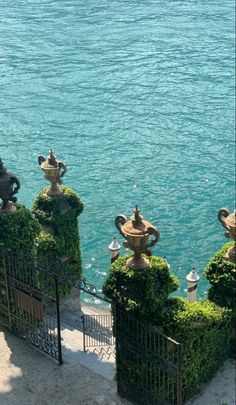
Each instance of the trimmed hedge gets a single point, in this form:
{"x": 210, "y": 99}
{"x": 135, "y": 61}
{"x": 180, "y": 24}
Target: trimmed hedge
{"x": 221, "y": 274}
{"x": 60, "y": 236}
{"x": 143, "y": 292}
{"x": 57, "y": 211}
{"x": 18, "y": 231}
{"x": 203, "y": 329}
{"x": 17, "y": 235}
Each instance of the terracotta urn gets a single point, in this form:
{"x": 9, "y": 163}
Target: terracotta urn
{"x": 54, "y": 170}
{"x": 9, "y": 186}
{"x": 228, "y": 221}
{"x": 137, "y": 231}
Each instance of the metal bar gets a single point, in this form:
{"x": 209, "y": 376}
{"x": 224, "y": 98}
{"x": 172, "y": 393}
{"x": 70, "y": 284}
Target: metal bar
{"x": 179, "y": 378}
{"x": 117, "y": 344}
{"x": 7, "y": 291}
{"x": 60, "y": 361}
{"x": 82, "y": 318}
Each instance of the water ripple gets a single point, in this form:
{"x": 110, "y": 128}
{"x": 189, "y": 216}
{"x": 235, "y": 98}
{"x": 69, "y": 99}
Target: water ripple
{"x": 128, "y": 93}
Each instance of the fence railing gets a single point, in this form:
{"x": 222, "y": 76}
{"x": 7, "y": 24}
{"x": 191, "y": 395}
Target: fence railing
{"x": 98, "y": 335}
{"x": 148, "y": 363}
{"x": 30, "y": 298}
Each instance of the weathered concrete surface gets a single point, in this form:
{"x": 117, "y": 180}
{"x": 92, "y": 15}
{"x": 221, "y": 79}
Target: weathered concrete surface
{"x": 220, "y": 390}
{"x": 27, "y": 377}
{"x": 72, "y": 343}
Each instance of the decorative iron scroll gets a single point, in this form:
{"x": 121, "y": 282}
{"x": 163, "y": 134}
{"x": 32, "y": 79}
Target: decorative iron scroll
{"x": 90, "y": 288}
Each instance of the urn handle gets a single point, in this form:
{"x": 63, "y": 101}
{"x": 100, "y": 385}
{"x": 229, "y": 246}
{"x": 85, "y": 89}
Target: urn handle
{"x": 62, "y": 166}
{"x": 224, "y": 213}
{"x": 155, "y": 232}
{"x": 41, "y": 159}
{"x": 120, "y": 220}
{"x": 16, "y": 181}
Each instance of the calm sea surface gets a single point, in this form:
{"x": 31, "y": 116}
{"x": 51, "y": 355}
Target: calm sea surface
{"x": 137, "y": 97}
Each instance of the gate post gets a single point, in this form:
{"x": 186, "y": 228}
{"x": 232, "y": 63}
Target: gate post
{"x": 60, "y": 361}
{"x": 84, "y": 348}
{"x": 192, "y": 280}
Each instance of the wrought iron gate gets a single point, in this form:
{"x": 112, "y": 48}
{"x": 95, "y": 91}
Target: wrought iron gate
{"x": 29, "y": 298}
{"x": 148, "y": 363}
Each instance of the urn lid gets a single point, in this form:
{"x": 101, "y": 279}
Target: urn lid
{"x": 137, "y": 226}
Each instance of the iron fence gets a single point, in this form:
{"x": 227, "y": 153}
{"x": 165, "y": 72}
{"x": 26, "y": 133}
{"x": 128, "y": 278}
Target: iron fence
{"x": 31, "y": 301}
{"x": 98, "y": 336}
{"x": 148, "y": 363}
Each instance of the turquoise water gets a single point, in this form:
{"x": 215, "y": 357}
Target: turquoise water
{"x": 137, "y": 97}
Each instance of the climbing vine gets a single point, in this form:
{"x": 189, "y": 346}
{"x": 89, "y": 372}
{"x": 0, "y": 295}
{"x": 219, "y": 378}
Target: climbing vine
{"x": 18, "y": 231}
{"x": 143, "y": 292}
{"x": 59, "y": 237}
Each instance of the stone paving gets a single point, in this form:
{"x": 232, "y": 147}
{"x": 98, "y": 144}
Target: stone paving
{"x": 72, "y": 343}
{"x": 28, "y": 377}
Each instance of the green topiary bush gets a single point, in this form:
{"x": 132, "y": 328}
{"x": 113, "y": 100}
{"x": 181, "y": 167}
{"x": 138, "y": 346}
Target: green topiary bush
{"x": 18, "y": 231}
{"x": 60, "y": 236}
{"x": 142, "y": 293}
{"x": 203, "y": 329}
{"x": 221, "y": 274}
{"x": 57, "y": 211}
{"x": 17, "y": 236}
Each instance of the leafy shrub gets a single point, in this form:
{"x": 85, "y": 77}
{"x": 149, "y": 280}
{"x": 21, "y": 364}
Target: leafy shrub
{"x": 59, "y": 236}
{"x": 142, "y": 292}
{"x": 57, "y": 211}
{"x": 221, "y": 274}
{"x": 18, "y": 231}
{"x": 203, "y": 329}
{"x": 17, "y": 236}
